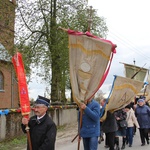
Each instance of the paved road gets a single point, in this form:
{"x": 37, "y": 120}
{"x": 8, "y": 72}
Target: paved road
{"x": 67, "y": 145}
{"x": 64, "y": 138}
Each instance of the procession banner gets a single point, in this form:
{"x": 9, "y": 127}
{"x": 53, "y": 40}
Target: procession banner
{"x": 147, "y": 88}
{"x": 123, "y": 92}
{"x": 130, "y": 70}
{"x": 22, "y": 85}
{"x": 90, "y": 59}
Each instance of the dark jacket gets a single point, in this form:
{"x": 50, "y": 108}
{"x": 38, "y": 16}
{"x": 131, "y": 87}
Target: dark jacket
{"x": 42, "y": 133}
{"x": 122, "y": 115}
{"x": 143, "y": 116}
{"x": 109, "y": 124}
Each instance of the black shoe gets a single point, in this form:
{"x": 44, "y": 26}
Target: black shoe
{"x": 106, "y": 146}
{"x": 148, "y": 142}
{"x": 130, "y": 145}
{"x": 99, "y": 142}
{"x": 117, "y": 148}
{"x": 142, "y": 144}
{"x": 123, "y": 147}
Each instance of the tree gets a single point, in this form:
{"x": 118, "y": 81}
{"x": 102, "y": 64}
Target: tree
{"x": 37, "y": 28}
{"x": 99, "y": 94}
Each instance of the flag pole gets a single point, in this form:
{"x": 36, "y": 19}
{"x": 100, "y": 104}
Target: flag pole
{"x": 137, "y": 72}
{"x": 28, "y": 136}
{"x": 80, "y": 126}
{"x": 90, "y": 19}
{"x": 81, "y": 110}
{"x": 27, "y": 128}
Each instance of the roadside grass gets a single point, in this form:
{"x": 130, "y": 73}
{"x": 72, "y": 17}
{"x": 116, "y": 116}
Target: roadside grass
{"x": 21, "y": 141}
{"x": 16, "y": 142}
{"x": 61, "y": 128}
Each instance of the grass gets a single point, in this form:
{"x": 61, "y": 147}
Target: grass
{"x": 61, "y": 128}
{"x": 16, "y": 142}
{"x": 20, "y": 142}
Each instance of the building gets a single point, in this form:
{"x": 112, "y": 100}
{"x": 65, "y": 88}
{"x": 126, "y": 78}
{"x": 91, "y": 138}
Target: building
{"x": 8, "y": 84}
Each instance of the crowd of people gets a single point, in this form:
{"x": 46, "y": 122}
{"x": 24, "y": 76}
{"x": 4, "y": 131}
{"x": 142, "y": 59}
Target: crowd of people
{"x": 124, "y": 122}
{"x": 120, "y": 123}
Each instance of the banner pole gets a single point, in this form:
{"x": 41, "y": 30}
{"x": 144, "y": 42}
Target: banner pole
{"x": 27, "y": 128}
{"x": 28, "y": 137}
{"x": 90, "y": 19}
{"x": 80, "y": 126}
{"x": 137, "y": 72}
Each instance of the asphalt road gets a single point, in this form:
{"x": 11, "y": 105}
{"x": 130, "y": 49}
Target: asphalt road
{"x": 66, "y": 135}
{"x": 68, "y": 145}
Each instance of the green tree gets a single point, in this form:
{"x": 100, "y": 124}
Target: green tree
{"x": 37, "y": 28}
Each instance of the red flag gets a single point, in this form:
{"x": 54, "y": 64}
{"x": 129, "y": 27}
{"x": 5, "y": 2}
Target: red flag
{"x": 22, "y": 85}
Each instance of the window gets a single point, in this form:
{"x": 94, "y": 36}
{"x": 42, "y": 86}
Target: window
{"x": 1, "y": 81}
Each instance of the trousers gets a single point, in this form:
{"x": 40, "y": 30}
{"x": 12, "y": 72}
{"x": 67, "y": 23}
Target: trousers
{"x": 90, "y": 143}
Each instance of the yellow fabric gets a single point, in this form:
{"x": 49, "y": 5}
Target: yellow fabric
{"x": 130, "y": 70}
{"x": 124, "y": 92}
{"x": 88, "y": 59}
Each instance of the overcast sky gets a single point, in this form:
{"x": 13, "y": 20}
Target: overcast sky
{"x": 128, "y": 22}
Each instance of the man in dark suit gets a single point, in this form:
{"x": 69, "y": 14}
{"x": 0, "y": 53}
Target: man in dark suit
{"x": 42, "y": 128}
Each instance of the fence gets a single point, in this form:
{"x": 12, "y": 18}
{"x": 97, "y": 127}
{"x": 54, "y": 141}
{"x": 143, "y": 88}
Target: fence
{"x": 10, "y": 123}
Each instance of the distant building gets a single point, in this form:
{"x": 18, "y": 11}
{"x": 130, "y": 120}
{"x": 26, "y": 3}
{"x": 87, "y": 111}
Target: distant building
{"x": 8, "y": 84}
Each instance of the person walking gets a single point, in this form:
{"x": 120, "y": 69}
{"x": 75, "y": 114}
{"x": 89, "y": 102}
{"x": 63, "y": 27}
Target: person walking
{"x": 42, "y": 129}
{"x": 131, "y": 121}
{"x": 142, "y": 113}
{"x": 102, "y": 111}
{"x": 90, "y": 129}
{"x": 120, "y": 116}
{"x": 109, "y": 127}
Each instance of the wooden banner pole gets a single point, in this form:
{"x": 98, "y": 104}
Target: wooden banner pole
{"x": 28, "y": 137}
{"x": 80, "y": 126}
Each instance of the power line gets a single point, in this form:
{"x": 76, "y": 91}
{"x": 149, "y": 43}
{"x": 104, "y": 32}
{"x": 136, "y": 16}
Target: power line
{"x": 128, "y": 44}
{"x": 123, "y": 39}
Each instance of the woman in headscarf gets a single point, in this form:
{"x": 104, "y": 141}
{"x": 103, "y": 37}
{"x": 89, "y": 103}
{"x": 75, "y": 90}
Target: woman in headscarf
{"x": 142, "y": 113}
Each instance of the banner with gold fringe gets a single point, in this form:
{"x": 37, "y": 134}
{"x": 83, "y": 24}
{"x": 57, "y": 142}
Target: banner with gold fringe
{"x": 90, "y": 59}
{"x": 123, "y": 92}
{"x": 22, "y": 84}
